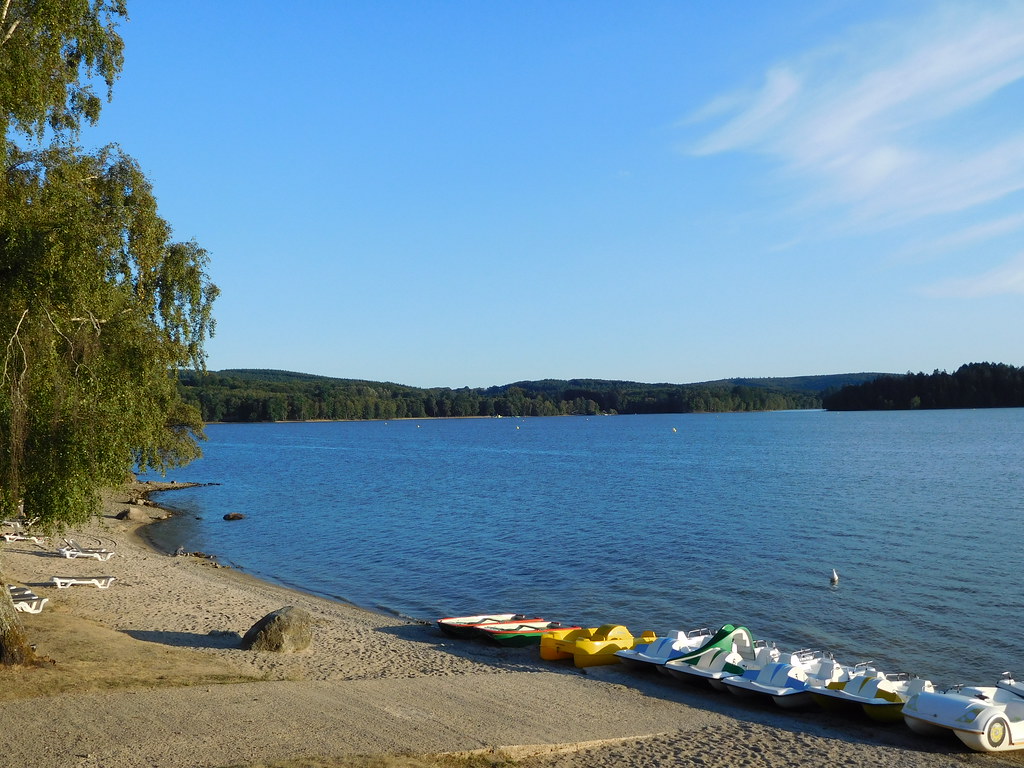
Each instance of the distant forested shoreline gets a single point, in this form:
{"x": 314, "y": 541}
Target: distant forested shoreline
{"x": 267, "y": 395}
{"x": 250, "y": 395}
{"x": 974, "y": 385}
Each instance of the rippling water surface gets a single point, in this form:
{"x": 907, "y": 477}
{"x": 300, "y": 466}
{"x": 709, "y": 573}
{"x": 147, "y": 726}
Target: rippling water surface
{"x": 655, "y": 522}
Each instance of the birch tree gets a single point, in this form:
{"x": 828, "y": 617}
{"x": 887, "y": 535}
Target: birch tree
{"x": 99, "y": 307}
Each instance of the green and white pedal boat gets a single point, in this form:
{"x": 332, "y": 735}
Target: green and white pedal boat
{"x": 730, "y": 651}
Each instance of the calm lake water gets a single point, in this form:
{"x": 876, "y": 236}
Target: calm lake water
{"x": 655, "y": 522}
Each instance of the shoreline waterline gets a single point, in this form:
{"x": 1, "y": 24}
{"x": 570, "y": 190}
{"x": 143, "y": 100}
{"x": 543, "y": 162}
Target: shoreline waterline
{"x": 171, "y": 625}
{"x": 652, "y": 522}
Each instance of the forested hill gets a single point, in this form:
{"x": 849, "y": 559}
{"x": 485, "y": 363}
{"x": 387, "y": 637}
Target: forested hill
{"x": 267, "y": 395}
{"x": 975, "y": 385}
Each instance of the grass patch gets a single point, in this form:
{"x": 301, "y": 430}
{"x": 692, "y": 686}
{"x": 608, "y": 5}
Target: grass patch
{"x": 89, "y": 656}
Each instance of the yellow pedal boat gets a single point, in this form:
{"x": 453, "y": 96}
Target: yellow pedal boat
{"x": 590, "y": 647}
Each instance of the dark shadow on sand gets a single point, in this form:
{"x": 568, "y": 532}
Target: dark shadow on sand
{"x": 187, "y": 639}
{"x": 33, "y": 551}
{"x": 487, "y": 653}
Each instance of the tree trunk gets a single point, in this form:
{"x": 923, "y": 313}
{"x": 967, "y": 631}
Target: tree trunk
{"x": 14, "y": 646}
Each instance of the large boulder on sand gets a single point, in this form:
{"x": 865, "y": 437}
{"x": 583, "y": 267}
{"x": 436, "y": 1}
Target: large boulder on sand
{"x": 286, "y": 630}
{"x": 133, "y": 513}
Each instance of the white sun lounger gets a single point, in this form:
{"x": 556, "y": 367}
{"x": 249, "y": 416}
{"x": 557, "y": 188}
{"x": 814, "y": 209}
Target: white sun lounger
{"x": 102, "y": 582}
{"x": 20, "y": 524}
{"x": 73, "y": 550}
{"x": 27, "y": 601}
{"x": 22, "y": 537}
{"x": 30, "y": 605}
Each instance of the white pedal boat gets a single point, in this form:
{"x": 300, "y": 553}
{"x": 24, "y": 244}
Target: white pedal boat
{"x": 881, "y": 696}
{"x": 986, "y": 719}
{"x": 648, "y": 656}
{"x": 730, "y": 651}
{"x": 791, "y": 680}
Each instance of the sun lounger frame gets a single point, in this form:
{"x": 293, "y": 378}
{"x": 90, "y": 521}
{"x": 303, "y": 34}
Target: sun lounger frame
{"x": 73, "y": 550}
{"x": 22, "y": 537}
{"x": 25, "y": 600}
{"x": 100, "y": 582}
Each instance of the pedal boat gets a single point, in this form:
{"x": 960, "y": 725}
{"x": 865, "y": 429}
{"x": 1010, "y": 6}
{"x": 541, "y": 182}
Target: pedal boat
{"x": 986, "y": 719}
{"x": 467, "y": 626}
{"x": 517, "y": 634}
{"x": 730, "y": 651}
{"x": 590, "y": 647}
{"x": 646, "y": 657}
{"x": 791, "y": 680}
{"x": 879, "y": 695}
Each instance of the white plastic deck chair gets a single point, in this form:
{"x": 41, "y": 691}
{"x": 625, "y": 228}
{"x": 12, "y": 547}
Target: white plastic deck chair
{"x": 21, "y": 523}
{"x": 26, "y": 601}
{"x": 73, "y": 550}
{"x": 101, "y": 582}
{"x": 17, "y": 536}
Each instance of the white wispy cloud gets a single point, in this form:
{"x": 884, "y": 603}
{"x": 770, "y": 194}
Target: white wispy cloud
{"x": 1006, "y": 279}
{"x": 765, "y": 110}
{"x": 967, "y": 237}
{"x": 879, "y": 121}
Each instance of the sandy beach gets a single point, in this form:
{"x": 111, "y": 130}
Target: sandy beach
{"x": 149, "y": 673}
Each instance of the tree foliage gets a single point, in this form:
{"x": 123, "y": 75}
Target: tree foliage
{"x": 52, "y": 53}
{"x": 249, "y": 395}
{"x": 98, "y": 306}
{"x": 974, "y": 385}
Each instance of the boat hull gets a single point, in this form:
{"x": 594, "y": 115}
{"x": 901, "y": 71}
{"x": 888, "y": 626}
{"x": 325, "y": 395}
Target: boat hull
{"x": 884, "y": 713}
{"x": 796, "y": 700}
{"x": 516, "y": 639}
{"x": 520, "y": 634}
{"x": 467, "y": 627}
{"x": 640, "y": 666}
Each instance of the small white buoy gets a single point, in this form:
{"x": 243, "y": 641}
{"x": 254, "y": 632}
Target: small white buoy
{"x": 835, "y": 577}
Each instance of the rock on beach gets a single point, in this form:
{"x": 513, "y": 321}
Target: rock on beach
{"x": 285, "y": 630}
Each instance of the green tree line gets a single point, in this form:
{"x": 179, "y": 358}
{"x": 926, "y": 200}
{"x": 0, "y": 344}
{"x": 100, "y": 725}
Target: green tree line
{"x": 974, "y": 385}
{"x": 242, "y": 395}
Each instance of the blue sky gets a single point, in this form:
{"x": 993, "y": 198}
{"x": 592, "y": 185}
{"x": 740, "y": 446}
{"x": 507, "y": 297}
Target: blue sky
{"x": 474, "y": 193}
